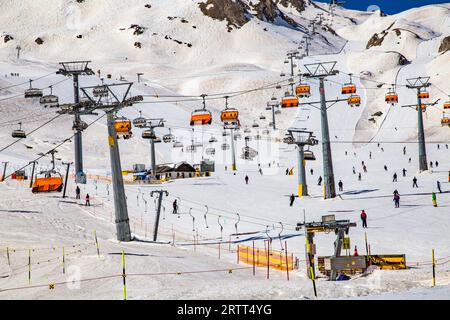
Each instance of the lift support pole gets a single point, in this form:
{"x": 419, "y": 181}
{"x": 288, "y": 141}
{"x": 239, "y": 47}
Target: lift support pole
{"x": 4, "y": 170}
{"x": 66, "y": 178}
{"x": 32, "y": 174}
{"x": 321, "y": 71}
{"x": 301, "y": 138}
{"x": 418, "y": 84}
{"x": 75, "y": 69}
{"x": 120, "y": 201}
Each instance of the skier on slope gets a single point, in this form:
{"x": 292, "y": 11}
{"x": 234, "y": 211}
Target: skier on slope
{"x": 364, "y": 218}
{"x": 246, "y": 179}
{"x": 394, "y": 178}
{"x": 433, "y": 199}
{"x": 439, "y": 186}
{"x": 175, "y": 207}
{"x": 319, "y": 182}
{"x": 78, "y": 193}
{"x": 404, "y": 172}
{"x": 415, "y": 183}
{"x": 397, "y": 200}
{"x": 88, "y": 202}
{"x": 341, "y": 185}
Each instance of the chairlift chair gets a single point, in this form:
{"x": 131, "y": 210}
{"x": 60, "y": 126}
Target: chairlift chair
{"x": 100, "y": 91}
{"x": 354, "y": 100}
{"x": 123, "y": 127}
{"x": 262, "y": 117}
{"x": 225, "y": 146}
{"x": 423, "y": 94}
{"x": 210, "y": 151}
{"x": 167, "y": 138}
{"x": 191, "y": 148}
{"x": 445, "y": 121}
{"x": 303, "y": 90}
{"x": 309, "y": 155}
{"x": 19, "y": 133}
{"x": 289, "y": 101}
{"x": 148, "y": 134}
{"x": 33, "y": 92}
{"x": 140, "y": 121}
{"x": 178, "y": 144}
{"x": 79, "y": 125}
{"x": 50, "y": 100}
{"x": 349, "y": 88}
{"x": 201, "y": 116}
{"x": 391, "y": 97}
{"x": 51, "y": 182}
{"x": 447, "y": 105}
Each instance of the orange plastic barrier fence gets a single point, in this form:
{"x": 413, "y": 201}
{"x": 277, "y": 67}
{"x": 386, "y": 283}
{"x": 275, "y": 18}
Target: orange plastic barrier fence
{"x": 277, "y": 260}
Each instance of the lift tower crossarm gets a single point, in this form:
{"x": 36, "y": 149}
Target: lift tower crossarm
{"x": 418, "y": 84}
{"x": 111, "y": 105}
{"x": 76, "y": 69}
{"x": 320, "y": 71}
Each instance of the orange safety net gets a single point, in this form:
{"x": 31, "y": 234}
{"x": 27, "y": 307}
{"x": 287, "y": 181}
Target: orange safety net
{"x": 260, "y": 257}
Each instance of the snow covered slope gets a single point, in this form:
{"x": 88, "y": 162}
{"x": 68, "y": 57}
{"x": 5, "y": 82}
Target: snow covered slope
{"x": 217, "y": 47}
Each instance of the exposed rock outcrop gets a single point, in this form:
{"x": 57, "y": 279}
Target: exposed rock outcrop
{"x": 445, "y": 45}
{"x": 237, "y": 12}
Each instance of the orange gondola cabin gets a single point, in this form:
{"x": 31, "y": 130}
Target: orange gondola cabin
{"x": 354, "y": 101}
{"x": 303, "y": 90}
{"x": 289, "y": 101}
{"x": 47, "y": 184}
{"x": 201, "y": 117}
{"x": 391, "y": 97}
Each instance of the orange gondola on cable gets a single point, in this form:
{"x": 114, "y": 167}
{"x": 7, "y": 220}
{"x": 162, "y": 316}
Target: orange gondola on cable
{"x": 289, "y": 101}
{"x": 201, "y": 116}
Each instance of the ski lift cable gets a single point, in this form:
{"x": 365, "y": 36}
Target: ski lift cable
{"x": 26, "y": 82}
{"x": 57, "y": 146}
{"x": 21, "y": 94}
{"x": 242, "y": 220}
{"x": 215, "y": 96}
{"x": 31, "y": 132}
{"x": 233, "y": 213}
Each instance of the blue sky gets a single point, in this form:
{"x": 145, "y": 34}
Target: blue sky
{"x": 388, "y": 6}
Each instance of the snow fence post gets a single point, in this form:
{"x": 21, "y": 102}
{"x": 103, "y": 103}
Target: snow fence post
{"x": 434, "y": 267}
{"x": 29, "y": 266}
{"x": 7, "y": 256}
{"x": 287, "y": 262}
{"x": 96, "y": 243}
{"x": 253, "y": 259}
{"x": 124, "y": 276}
{"x": 63, "y": 261}
{"x": 237, "y": 253}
